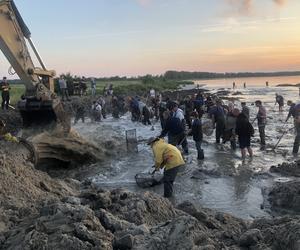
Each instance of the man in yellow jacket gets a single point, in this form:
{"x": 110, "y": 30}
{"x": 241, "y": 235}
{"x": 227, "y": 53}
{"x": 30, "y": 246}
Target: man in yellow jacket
{"x": 169, "y": 157}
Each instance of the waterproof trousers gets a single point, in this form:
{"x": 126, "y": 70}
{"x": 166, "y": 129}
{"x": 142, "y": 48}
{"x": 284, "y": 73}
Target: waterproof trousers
{"x": 169, "y": 178}
{"x": 262, "y": 135}
{"x": 179, "y": 139}
{"x": 5, "y": 99}
{"x": 220, "y": 126}
{"x": 297, "y": 139}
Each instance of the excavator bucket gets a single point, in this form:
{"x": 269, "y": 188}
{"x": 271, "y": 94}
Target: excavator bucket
{"x": 37, "y": 113}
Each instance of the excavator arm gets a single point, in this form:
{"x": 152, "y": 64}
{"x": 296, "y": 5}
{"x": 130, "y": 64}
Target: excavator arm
{"x": 40, "y": 105}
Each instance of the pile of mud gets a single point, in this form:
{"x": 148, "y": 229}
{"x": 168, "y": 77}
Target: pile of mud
{"x": 284, "y": 196}
{"x": 119, "y": 219}
{"x": 287, "y": 169}
{"x": 12, "y": 120}
{"x": 38, "y": 212}
{"x": 22, "y": 187}
{"x": 52, "y": 148}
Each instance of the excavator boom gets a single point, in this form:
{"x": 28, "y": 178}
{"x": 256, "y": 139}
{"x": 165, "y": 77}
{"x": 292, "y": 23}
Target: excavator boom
{"x": 40, "y": 105}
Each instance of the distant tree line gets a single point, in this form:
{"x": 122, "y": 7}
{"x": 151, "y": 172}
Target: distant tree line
{"x": 186, "y": 75}
{"x": 178, "y": 75}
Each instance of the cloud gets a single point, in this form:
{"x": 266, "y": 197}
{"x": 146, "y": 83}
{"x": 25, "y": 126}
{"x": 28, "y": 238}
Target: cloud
{"x": 280, "y": 2}
{"x": 246, "y": 7}
{"x": 143, "y": 2}
{"x": 234, "y": 25}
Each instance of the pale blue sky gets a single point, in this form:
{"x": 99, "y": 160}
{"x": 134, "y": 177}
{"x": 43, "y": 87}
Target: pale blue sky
{"x": 135, "y": 37}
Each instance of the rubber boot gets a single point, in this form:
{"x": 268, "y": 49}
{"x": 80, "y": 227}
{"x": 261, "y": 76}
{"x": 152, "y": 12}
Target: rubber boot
{"x": 200, "y": 154}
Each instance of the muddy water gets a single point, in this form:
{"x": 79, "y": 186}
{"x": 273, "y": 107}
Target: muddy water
{"x": 222, "y": 181}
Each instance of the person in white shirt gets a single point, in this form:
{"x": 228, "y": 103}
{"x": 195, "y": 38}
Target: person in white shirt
{"x": 63, "y": 88}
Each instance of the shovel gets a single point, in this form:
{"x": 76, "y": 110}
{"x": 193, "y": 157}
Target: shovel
{"x": 284, "y": 132}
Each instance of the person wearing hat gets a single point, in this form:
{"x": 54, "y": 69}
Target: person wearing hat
{"x": 168, "y": 157}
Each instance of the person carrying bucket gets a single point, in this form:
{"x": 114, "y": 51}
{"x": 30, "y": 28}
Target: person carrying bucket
{"x": 168, "y": 157}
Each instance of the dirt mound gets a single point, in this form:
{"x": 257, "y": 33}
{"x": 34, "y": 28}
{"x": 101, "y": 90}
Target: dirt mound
{"x": 120, "y": 219}
{"x": 22, "y": 187}
{"x": 38, "y": 212}
{"x": 70, "y": 149}
{"x": 60, "y": 226}
{"x": 287, "y": 169}
{"x": 12, "y": 119}
{"x": 285, "y": 197}
{"x": 279, "y": 233}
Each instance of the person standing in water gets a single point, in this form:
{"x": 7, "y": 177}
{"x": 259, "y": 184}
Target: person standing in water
{"x": 244, "y": 130}
{"x": 280, "y": 100}
{"x": 261, "y": 122}
{"x": 168, "y": 157}
{"x": 245, "y": 110}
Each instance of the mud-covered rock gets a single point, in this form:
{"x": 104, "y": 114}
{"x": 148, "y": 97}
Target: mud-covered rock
{"x": 53, "y": 147}
{"x": 287, "y": 168}
{"x": 224, "y": 227}
{"x": 250, "y": 238}
{"x": 39, "y": 212}
{"x": 12, "y": 120}
{"x": 279, "y": 233}
{"x": 60, "y": 226}
{"x": 147, "y": 208}
{"x": 285, "y": 197}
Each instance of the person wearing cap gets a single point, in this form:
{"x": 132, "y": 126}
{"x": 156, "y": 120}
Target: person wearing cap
{"x": 168, "y": 157}
{"x": 5, "y": 93}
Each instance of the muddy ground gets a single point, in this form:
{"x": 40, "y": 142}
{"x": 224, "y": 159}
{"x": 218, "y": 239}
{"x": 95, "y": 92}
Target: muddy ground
{"x": 40, "y": 212}
{"x": 43, "y": 212}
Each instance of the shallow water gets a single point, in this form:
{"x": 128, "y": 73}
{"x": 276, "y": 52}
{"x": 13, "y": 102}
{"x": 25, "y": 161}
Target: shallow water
{"x": 228, "y": 184}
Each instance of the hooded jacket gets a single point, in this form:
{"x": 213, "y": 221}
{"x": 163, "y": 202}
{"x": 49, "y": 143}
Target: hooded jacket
{"x": 166, "y": 155}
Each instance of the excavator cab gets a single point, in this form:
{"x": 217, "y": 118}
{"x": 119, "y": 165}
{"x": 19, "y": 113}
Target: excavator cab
{"x": 39, "y": 104}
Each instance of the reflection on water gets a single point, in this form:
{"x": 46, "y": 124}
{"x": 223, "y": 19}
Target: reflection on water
{"x": 225, "y": 183}
{"x": 250, "y": 81}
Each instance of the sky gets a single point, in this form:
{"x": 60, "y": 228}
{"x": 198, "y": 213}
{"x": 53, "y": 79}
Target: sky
{"x": 137, "y": 37}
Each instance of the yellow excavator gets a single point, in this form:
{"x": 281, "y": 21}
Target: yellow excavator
{"x": 39, "y": 105}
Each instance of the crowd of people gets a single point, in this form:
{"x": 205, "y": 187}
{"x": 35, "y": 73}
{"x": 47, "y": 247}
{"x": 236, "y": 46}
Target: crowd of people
{"x": 182, "y": 118}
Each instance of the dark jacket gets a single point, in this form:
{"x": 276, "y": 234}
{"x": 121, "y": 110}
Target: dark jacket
{"x": 246, "y": 111}
{"x": 218, "y": 113}
{"x": 196, "y": 131}
{"x": 243, "y": 127}
{"x": 173, "y": 127}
